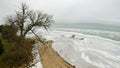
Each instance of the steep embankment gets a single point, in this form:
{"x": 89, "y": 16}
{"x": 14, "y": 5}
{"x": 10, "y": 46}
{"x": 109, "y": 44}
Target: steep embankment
{"x": 50, "y": 58}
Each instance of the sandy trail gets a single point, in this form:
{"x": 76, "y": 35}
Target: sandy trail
{"x": 50, "y": 58}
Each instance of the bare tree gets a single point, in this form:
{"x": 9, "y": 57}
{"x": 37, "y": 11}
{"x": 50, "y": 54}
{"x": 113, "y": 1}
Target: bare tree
{"x": 26, "y": 19}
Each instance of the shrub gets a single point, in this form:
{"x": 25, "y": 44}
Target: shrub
{"x": 17, "y": 52}
{"x": 8, "y": 32}
{"x": 1, "y": 47}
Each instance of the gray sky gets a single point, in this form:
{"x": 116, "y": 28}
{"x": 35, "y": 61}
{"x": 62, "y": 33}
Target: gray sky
{"x": 70, "y": 11}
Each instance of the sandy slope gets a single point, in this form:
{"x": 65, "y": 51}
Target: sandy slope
{"x": 50, "y": 58}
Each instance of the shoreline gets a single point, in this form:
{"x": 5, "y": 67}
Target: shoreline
{"x": 85, "y": 48}
{"x": 50, "y": 58}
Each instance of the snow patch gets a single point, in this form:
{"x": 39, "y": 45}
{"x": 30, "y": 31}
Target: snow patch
{"x": 36, "y": 62}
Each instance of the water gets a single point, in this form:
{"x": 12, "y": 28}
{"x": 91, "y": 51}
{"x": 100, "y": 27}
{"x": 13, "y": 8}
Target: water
{"x": 92, "y": 52}
{"x": 99, "y": 49}
{"x": 105, "y": 31}
{"x": 92, "y": 26}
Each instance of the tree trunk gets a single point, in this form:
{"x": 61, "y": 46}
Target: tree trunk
{"x": 37, "y": 36}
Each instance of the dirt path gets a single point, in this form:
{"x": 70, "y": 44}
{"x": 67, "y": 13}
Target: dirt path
{"x": 50, "y": 58}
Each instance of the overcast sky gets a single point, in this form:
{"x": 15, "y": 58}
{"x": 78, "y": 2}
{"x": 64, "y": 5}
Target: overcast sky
{"x": 70, "y": 11}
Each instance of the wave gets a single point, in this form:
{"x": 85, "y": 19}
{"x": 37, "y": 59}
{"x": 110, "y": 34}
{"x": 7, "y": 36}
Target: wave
{"x": 91, "y": 52}
{"x": 104, "y": 34}
{"x": 86, "y": 48}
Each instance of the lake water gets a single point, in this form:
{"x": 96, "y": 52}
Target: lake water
{"x": 105, "y": 31}
{"x": 99, "y": 49}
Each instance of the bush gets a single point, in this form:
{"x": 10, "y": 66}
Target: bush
{"x": 17, "y": 53}
{"x": 8, "y": 32}
{"x": 16, "y": 50}
{"x": 1, "y": 47}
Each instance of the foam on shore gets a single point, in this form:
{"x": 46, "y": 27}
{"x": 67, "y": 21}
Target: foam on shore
{"x": 93, "y": 51}
{"x": 85, "y": 51}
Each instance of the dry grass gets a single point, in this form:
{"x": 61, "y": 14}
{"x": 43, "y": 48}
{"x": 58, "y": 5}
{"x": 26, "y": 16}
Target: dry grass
{"x": 17, "y": 53}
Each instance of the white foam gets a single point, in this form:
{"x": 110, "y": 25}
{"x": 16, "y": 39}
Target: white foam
{"x": 93, "y": 51}
{"x": 90, "y": 52}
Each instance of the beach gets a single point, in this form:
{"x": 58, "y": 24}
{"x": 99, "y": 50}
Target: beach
{"x": 84, "y": 50}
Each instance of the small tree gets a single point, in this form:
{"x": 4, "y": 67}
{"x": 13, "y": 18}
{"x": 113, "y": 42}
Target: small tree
{"x": 25, "y": 20}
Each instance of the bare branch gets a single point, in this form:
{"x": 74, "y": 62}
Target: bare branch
{"x": 36, "y": 19}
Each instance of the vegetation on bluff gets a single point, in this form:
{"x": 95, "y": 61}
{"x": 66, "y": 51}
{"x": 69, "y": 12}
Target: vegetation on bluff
{"x": 15, "y": 49}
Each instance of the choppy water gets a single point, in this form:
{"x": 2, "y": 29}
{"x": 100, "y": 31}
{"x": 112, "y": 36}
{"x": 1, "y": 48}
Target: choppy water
{"x": 105, "y": 34}
{"x": 90, "y": 26}
{"x": 92, "y": 52}
{"x": 100, "y": 49}
{"x": 105, "y": 31}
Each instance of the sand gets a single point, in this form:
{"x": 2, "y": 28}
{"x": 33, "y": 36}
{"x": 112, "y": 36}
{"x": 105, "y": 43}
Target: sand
{"x": 50, "y": 58}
